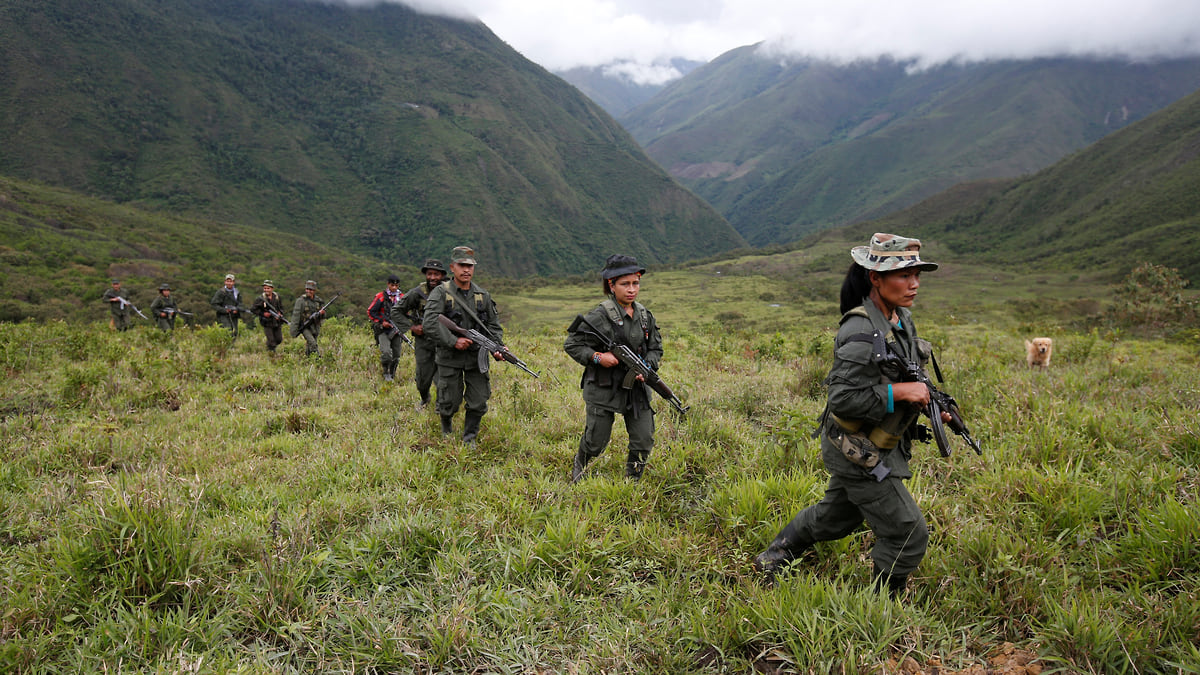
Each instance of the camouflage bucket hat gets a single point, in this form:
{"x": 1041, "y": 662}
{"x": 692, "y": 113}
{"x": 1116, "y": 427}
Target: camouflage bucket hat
{"x": 268, "y": 283}
{"x": 433, "y": 264}
{"x": 888, "y": 252}
{"x": 463, "y": 255}
{"x": 230, "y": 277}
{"x": 310, "y": 284}
{"x": 164, "y": 287}
{"x": 620, "y": 265}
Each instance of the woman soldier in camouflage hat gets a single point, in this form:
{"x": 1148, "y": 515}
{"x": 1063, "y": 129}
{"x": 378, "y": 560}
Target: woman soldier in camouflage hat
{"x": 869, "y": 422}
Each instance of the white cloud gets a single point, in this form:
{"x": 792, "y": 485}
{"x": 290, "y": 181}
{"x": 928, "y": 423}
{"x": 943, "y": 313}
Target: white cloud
{"x": 562, "y": 34}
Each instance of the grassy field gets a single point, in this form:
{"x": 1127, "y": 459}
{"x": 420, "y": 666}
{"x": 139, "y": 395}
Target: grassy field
{"x": 183, "y": 503}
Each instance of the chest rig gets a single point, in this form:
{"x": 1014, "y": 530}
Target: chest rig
{"x": 456, "y": 312}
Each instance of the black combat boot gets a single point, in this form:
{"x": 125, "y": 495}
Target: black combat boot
{"x": 471, "y": 427}
{"x": 784, "y": 549}
{"x": 581, "y": 462}
{"x": 387, "y": 371}
{"x": 894, "y": 583}
{"x": 635, "y": 464}
{"x": 447, "y": 426}
{"x": 424, "y": 400}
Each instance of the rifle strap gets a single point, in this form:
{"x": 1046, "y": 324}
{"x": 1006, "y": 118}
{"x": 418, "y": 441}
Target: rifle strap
{"x": 450, "y": 293}
{"x": 618, "y": 317}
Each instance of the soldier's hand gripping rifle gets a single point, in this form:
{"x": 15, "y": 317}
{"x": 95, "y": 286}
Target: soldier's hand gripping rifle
{"x": 125, "y": 303}
{"x": 634, "y": 363}
{"x": 172, "y": 311}
{"x": 900, "y": 369}
{"x": 394, "y": 331}
{"x": 269, "y": 310}
{"x": 312, "y": 318}
{"x": 487, "y": 346}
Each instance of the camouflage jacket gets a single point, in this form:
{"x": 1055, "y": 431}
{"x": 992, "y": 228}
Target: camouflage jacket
{"x": 303, "y": 309}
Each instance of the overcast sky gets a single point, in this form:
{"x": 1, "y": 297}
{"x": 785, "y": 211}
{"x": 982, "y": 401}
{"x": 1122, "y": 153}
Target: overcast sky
{"x": 561, "y": 34}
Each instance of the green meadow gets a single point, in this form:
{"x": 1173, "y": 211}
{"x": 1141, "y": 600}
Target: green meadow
{"x": 184, "y": 503}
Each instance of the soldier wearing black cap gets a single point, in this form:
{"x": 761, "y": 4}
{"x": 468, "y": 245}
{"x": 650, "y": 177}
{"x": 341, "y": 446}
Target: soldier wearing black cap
{"x": 118, "y": 306}
{"x": 268, "y": 307}
{"x": 411, "y": 314}
{"x": 459, "y": 379}
{"x": 164, "y": 309}
{"x": 388, "y": 336}
{"x": 623, "y": 320}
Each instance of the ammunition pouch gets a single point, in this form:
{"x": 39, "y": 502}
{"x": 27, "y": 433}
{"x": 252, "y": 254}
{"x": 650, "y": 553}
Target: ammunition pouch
{"x": 865, "y": 445}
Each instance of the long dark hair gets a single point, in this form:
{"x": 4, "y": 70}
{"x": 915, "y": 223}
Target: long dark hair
{"x": 855, "y": 287}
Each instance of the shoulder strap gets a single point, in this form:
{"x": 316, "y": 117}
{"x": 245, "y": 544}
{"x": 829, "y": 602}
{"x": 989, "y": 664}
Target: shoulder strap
{"x": 471, "y": 312}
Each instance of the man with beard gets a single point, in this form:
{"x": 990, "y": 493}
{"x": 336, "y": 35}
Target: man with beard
{"x": 411, "y": 315}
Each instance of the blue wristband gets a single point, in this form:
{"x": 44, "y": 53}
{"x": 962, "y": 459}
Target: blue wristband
{"x": 891, "y": 402}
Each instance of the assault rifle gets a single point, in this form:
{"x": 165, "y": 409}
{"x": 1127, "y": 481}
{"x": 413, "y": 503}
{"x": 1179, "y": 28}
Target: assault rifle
{"x": 242, "y": 313}
{"x": 900, "y": 369}
{"x": 315, "y": 315}
{"x": 634, "y": 363}
{"x": 269, "y": 310}
{"x": 125, "y": 303}
{"x": 394, "y": 331}
{"x": 172, "y": 311}
{"x": 487, "y": 346}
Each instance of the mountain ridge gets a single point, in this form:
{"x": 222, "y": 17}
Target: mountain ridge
{"x": 391, "y": 133}
{"x": 786, "y": 148}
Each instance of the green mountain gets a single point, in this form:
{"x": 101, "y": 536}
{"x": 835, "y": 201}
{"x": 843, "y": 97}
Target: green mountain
{"x": 58, "y": 250}
{"x": 378, "y": 129}
{"x": 1132, "y": 197}
{"x": 788, "y": 148}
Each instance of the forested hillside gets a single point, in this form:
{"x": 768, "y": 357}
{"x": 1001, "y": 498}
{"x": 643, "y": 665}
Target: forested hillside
{"x": 785, "y": 147}
{"x": 1132, "y": 197}
{"x": 384, "y": 131}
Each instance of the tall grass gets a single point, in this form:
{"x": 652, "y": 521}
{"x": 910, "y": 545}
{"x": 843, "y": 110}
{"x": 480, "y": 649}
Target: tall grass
{"x": 186, "y": 503}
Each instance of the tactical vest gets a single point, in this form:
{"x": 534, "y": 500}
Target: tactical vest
{"x": 618, "y": 317}
{"x": 860, "y": 442}
{"x": 457, "y": 315}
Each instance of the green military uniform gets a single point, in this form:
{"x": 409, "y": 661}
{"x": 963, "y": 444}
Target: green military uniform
{"x": 118, "y": 309}
{"x": 857, "y": 391}
{"x": 866, "y": 436}
{"x": 226, "y": 302}
{"x": 268, "y": 306}
{"x": 602, "y": 390}
{"x": 164, "y": 309}
{"x": 412, "y": 308}
{"x": 458, "y": 375}
{"x": 304, "y": 308}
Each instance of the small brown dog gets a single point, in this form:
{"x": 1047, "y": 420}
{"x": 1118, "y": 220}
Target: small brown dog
{"x": 1037, "y": 352}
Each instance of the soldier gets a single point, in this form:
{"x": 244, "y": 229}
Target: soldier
{"x": 869, "y": 422}
{"x": 118, "y": 306}
{"x": 228, "y": 303}
{"x": 267, "y": 308}
{"x": 624, "y": 321}
{"x": 389, "y": 337}
{"x": 459, "y": 377}
{"x": 412, "y": 311}
{"x": 307, "y": 305}
{"x": 164, "y": 309}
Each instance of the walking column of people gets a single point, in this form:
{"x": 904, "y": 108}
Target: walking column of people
{"x": 866, "y": 430}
